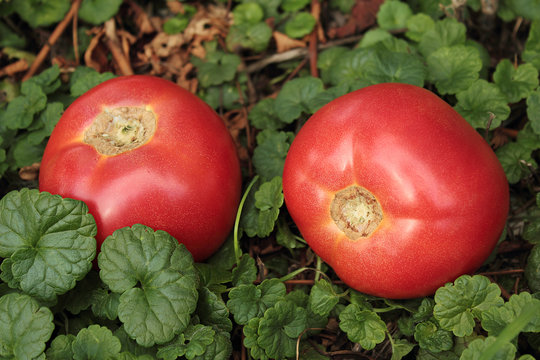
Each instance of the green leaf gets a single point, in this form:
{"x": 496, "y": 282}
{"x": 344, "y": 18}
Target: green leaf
{"x": 345, "y": 6}
{"x": 417, "y": 25}
{"x": 251, "y": 333}
{"x": 400, "y": 348}
{"x": 222, "y": 96}
{"x": 269, "y": 199}
{"x": 270, "y": 7}
{"x": 279, "y": 329}
{"x": 49, "y": 241}
{"x": 532, "y": 269}
{"x": 20, "y": 111}
{"x": 425, "y": 310}
{"x": 349, "y": 67}
{"x": 528, "y": 9}
{"x": 95, "y": 342}
{"x": 219, "y": 68}
{"x": 129, "y": 345}
{"x": 38, "y": 13}
{"x": 286, "y": 238}
{"x": 322, "y": 298}
{"x": 25, "y": 327}
{"x": 495, "y": 319}
{"x": 47, "y": 120}
{"x": 294, "y": 5}
{"x": 531, "y": 53}
{"x": 248, "y": 13}
{"x": 269, "y": 155}
{"x": 213, "y": 277}
{"x": 514, "y": 159}
{"x": 479, "y": 346}
{"x": 105, "y": 303}
{"x": 263, "y": 115}
{"x": 533, "y": 110}
{"x": 393, "y": 15}
{"x": 220, "y": 349}
{"x": 60, "y": 348}
{"x": 245, "y": 271}
{"x": 213, "y": 312}
{"x": 362, "y": 326}
{"x": 326, "y": 60}
{"x": 431, "y": 337}
{"x": 48, "y": 80}
{"x": 156, "y": 279}
{"x": 374, "y": 36}
{"x": 453, "y": 69}
{"x": 395, "y": 67}
{"x": 9, "y": 38}
{"x": 516, "y": 83}
{"x": 479, "y": 101}
{"x": 85, "y": 78}
{"x": 295, "y": 96}
{"x": 81, "y": 298}
{"x": 250, "y": 36}
{"x": 458, "y": 304}
{"x": 446, "y": 32}
{"x": 180, "y": 21}
{"x": 193, "y": 342}
{"x": 249, "y": 301}
{"x": 175, "y": 25}
{"x": 300, "y": 25}
{"x": 98, "y": 11}
{"x": 24, "y": 152}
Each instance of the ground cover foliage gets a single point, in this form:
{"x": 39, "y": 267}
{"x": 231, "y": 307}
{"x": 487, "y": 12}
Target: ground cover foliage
{"x": 264, "y": 66}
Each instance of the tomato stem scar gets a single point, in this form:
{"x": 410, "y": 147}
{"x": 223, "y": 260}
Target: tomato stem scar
{"x": 117, "y": 130}
{"x": 356, "y": 212}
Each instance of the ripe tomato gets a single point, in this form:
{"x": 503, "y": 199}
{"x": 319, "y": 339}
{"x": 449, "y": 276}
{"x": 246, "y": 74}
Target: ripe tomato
{"x": 140, "y": 149}
{"x": 395, "y": 190}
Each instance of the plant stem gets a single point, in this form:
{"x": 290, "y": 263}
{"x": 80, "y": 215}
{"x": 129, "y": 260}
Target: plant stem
{"x": 237, "y": 250}
{"x": 510, "y": 331}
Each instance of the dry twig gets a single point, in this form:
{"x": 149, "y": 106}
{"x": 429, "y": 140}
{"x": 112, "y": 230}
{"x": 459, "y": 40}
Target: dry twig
{"x": 52, "y": 39}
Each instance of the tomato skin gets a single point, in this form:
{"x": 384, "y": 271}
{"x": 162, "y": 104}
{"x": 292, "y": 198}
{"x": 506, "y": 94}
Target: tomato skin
{"x": 443, "y": 193}
{"x": 185, "y": 180}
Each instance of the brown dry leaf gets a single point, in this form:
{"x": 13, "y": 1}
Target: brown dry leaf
{"x": 363, "y": 15}
{"x": 175, "y": 7}
{"x": 141, "y": 18}
{"x": 237, "y": 121}
{"x": 284, "y": 43}
{"x": 30, "y": 172}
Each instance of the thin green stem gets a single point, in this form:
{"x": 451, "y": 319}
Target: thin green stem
{"x": 237, "y": 250}
{"x": 319, "y": 266}
{"x": 510, "y": 331}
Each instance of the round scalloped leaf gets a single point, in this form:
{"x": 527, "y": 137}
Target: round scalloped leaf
{"x": 40, "y": 13}
{"x": 98, "y": 11}
{"x": 516, "y": 82}
{"x": 393, "y": 15}
{"x": 157, "y": 281}
{"x": 454, "y": 68}
{"x": 481, "y": 101}
{"x": 300, "y": 25}
{"x": 48, "y": 240}
{"x": 458, "y": 304}
{"x": 362, "y": 326}
{"x": 95, "y": 342}
{"x": 25, "y": 327}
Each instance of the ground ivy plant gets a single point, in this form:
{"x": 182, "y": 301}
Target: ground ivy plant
{"x": 149, "y": 300}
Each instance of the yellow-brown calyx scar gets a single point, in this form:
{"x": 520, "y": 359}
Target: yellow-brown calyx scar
{"x": 356, "y": 212}
{"x": 121, "y": 129}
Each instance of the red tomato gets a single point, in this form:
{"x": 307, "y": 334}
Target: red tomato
{"x": 395, "y": 190}
{"x": 140, "y": 149}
